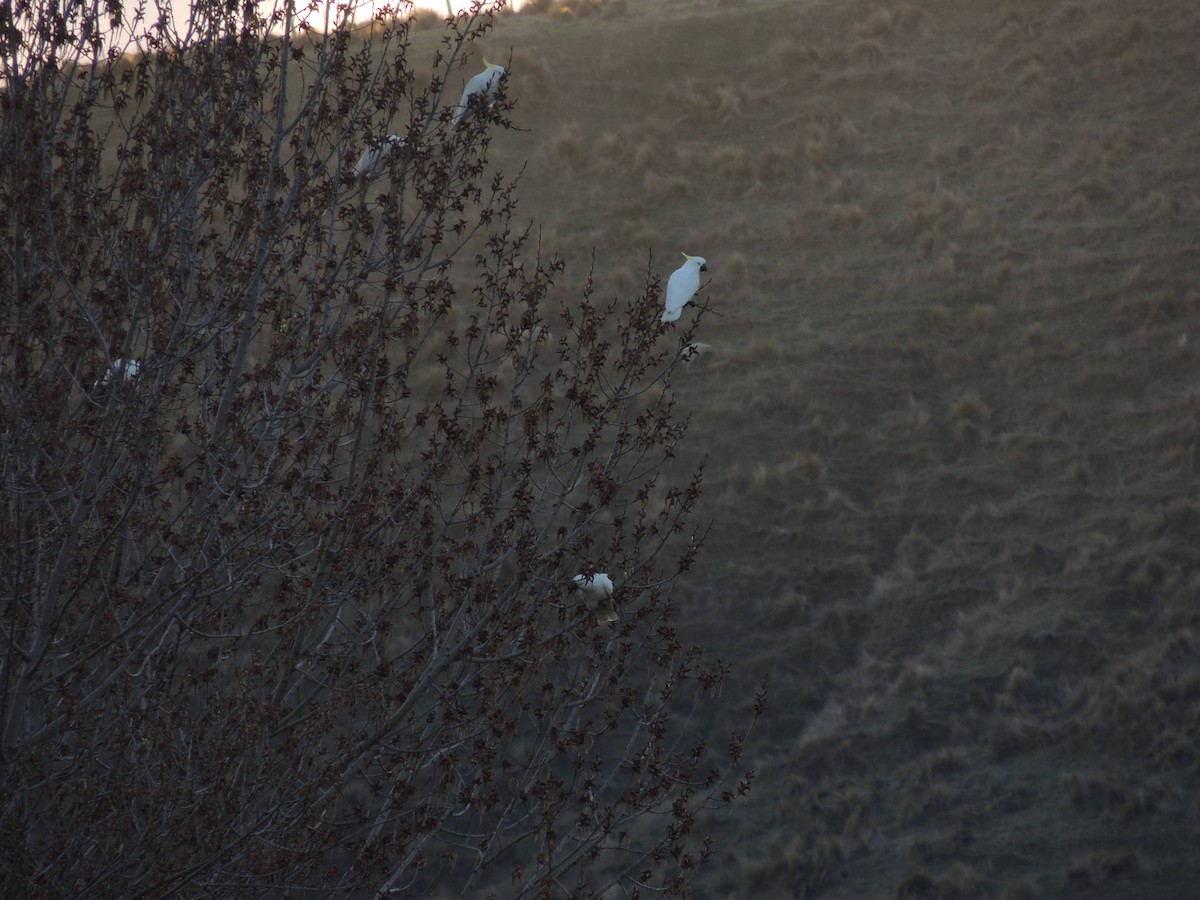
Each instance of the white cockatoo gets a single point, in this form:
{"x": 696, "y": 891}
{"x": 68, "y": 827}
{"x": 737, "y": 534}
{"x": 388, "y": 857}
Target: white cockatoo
{"x": 119, "y": 370}
{"x": 682, "y": 286}
{"x": 598, "y": 588}
{"x": 483, "y": 83}
{"x": 377, "y": 151}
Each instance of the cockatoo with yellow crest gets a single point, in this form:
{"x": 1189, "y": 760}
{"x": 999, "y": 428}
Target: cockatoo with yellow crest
{"x": 484, "y": 83}
{"x": 682, "y": 286}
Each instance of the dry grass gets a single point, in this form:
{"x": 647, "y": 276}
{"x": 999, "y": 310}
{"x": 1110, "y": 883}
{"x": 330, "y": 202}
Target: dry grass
{"x": 983, "y": 332}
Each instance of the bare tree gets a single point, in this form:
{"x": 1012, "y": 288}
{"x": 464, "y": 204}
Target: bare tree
{"x": 298, "y": 467}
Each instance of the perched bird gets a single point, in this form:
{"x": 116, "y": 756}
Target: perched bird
{"x": 694, "y": 351}
{"x": 598, "y": 587}
{"x": 483, "y": 83}
{"x": 682, "y": 286}
{"x": 377, "y": 151}
{"x": 119, "y": 370}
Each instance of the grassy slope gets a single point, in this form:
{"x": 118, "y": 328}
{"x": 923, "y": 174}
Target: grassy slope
{"x": 950, "y": 417}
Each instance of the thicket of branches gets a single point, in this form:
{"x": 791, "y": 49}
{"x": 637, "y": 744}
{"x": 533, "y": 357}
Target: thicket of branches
{"x": 297, "y": 469}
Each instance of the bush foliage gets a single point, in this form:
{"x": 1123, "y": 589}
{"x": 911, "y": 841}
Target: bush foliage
{"x": 298, "y": 467}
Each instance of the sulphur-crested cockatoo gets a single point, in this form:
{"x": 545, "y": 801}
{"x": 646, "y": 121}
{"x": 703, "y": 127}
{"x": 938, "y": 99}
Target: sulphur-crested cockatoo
{"x": 377, "y": 151}
{"x": 119, "y": 370}
{"x": 682, "y": 286}
{"x": 599, "y": 588}
{"x": 483, "y": 83}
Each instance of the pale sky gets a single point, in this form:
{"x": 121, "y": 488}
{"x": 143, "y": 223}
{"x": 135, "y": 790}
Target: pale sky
{"x": 459, "y": 6}
{"x": 364, "y": 10}
{"x": 124, "y": 39}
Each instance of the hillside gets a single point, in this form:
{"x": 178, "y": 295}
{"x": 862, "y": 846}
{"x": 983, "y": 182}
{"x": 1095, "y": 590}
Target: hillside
{"x": 950, "y": 415}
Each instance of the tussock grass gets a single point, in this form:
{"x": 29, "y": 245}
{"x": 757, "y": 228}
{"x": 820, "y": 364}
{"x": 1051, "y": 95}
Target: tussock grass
{"x": 885, "y": 22}
{"x": 567, "y": 143}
